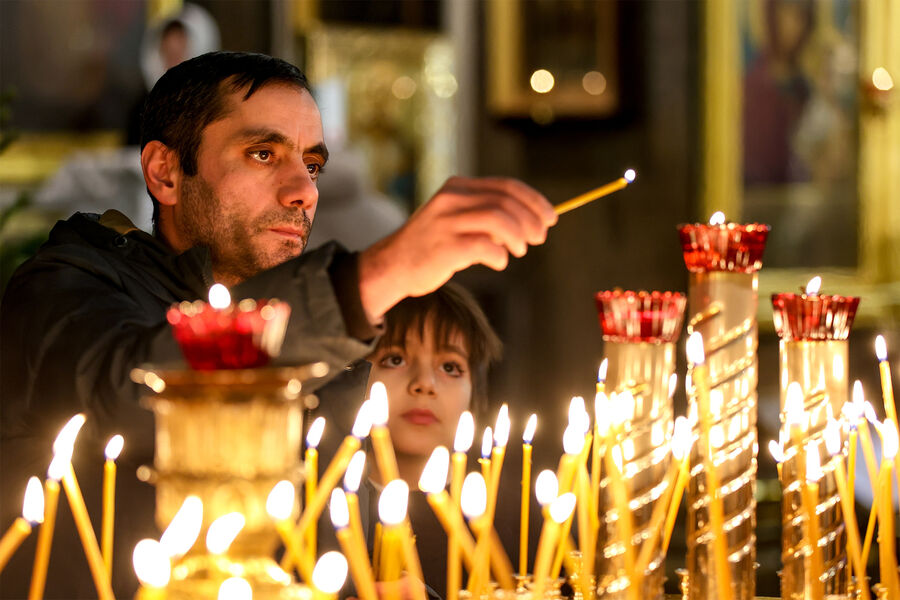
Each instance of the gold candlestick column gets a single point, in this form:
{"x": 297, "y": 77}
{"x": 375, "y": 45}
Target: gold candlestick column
{"x": 813, "y": 355}
{"x": 723, "y": 261}
{"x": 640, "y": 330}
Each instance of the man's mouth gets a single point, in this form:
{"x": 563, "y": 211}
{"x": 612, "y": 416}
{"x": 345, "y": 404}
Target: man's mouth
{"x": 288, "y": 232}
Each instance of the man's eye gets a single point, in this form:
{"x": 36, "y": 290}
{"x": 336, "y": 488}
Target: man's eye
{"x": 263, "y": 156}
{"x": 315, "y": 169}
{"x": 392, "y": 360}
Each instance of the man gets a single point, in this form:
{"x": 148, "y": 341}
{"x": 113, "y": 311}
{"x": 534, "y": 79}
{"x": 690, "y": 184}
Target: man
{"x": 232, "y": 147}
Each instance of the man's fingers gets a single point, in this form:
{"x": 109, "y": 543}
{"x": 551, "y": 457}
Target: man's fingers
{"x": 521, "y": 192}
{"x": 481, "y": 249}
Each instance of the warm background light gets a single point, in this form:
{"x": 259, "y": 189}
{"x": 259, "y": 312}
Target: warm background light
{"x": 594, "y": 83}
{"x": 280, "y": 501}
{"x": 222, "y": 532}
{"x": 542, "y": 81}
{"x": 882, "y": 80}
{"x": 235, "y": 588}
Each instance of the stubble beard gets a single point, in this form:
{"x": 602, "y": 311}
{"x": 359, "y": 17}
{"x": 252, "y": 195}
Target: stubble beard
{"x": 210, "y": 222}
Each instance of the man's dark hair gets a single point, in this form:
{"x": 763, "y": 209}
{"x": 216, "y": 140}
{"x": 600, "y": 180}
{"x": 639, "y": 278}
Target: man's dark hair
{"x": 451, "y": 309}
{"x": 191, "y": 95}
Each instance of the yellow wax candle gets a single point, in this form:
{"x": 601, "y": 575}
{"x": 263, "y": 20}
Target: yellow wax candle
{"x": 500, "y": 564}
{"x": 700, "y": 378}
{"x": 311, "y": 469}
{"x": 596, "y": 193}
{"x": 45, "y": 535}
{"x": 810, "y": 493}
{"x": 886, "y": 534}
{"x": 381, "y": 436}
{"x": 474, "y": 505}
{"x": 32, "y": 513}
{"x": 113, "y": 449}
{"x": 525, "y": 495}
{"x": 376, "y": 549}
{"x": 399, "y": 547}
{"x": 861, "y": 408}
{"x": 681, "y": 452}
{"x": 332, "y": 474}
{"x": 280, "y": 506}
{"x": 465, "y": 432}
{"x": 86, "y": 533}
{"x": 624, "y": 526}
{"x": 585, "y": 528}
{"x": 887, "y": 389}
{"x": 354, "y": 548}
{"x": 854, "y": 551}
{"x": 598, "y": 448}
{"x": 560, "y": 510}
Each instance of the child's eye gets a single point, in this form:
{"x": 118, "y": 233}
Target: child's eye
{"x": 391, "y": 361}
{"x": 452, "y": 368}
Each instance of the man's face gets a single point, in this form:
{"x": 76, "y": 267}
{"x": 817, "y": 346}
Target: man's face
{"x": 254, "y": 197}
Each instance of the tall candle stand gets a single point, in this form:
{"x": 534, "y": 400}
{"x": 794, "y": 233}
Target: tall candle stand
{"x": 723, "y": 261}
{"x": 813, "y": 331}
{"x": 639, "y": 332}
{"x": 227, "y": 437}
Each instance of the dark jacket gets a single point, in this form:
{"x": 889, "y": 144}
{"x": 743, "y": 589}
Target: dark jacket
{"x": 89, "y": 307}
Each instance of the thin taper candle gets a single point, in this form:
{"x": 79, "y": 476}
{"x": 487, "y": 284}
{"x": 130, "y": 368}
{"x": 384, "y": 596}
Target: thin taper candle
{"x": 527, "y": 437}
{"x": 86, "y": 533}
{"x": 603, "y": 190}
{"x": 113, "y": 449}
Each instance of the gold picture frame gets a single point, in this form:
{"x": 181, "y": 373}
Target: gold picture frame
{"x": 875, "y": 277}
{"x": 523, "y": 36}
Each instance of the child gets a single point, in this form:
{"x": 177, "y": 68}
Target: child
{"x": 433, "y": 360}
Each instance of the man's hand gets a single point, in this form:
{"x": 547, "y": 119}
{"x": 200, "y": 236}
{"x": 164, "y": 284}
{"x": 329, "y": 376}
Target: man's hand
{"x": 468, "y": 222}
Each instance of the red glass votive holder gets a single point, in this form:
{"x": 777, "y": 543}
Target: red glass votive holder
{"x": 237, "y": 337}
{"x": 813, "y": 317}
{"x": 727, "y": 247}
{"x": 627, "y": 316}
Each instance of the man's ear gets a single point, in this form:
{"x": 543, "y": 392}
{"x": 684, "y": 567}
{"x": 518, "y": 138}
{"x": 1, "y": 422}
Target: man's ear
{"x": 161, "y": 172}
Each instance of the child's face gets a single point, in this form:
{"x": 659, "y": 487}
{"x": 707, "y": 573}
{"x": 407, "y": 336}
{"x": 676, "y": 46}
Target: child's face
{"x": 428, "y": 389}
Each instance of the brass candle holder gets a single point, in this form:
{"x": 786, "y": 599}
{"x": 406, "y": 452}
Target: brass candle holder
{"x": 227, "y": 437}
{"x": 813, "y": 353}
{"x": 723, "y": 261}
{"x": 639, "y": 332}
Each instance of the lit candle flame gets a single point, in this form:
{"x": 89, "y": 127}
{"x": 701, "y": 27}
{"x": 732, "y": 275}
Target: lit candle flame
{"x": 673, "y": 384}
{"x": 501, "y": 427}
{"x": 852, "y": 412}
{"x": 776, "y": 449}
{"x": 223, "y": 531}
{"x": 465, "y": 432}
{"x": 562, "y": 507}
{"x": 578, "y": 415}
{"x": 378, "y": 400}
{"x": 694, "y": 347}
{"x": 813, "y": 464}
{"x": 616, "y": 454}
{"x": 601, "y": 371}
{"x": 65, "y": 440}
{"x": 602, "y": 415}
{"x": 434, "y": 475}
{"x": 330, "y": 572}
{"x": 340, "y": 511}
{"x": 182, "y": 532}
{"x": 629, "y": 175}
{"x": 890, "y": 442}
{"x": 681, "y": 438}
{"x": 487, "y": 441}
{"x": 114, "y": 447}
{"x": 530, "y": 427}
{"x": 58, "y": 466}
{"x": 219, "y": 297}
{"x": 573, "y": 439}
{"x": 354, "y": 473}
{"x": 235, "y": 588}
{"x": 880, "y": 348}
{"x": 869, "y": 412}
{"x": 473, "y": 499}
{"x": 814, "y": 285}
{"x": 794, "y": 413}
{"x": 33, "y": 506}
{"x": 280, "y": 502}
{"x": 314, "y": 435}
{"x": 363, "y": 423}
{"x": 882, "y": 79}
{"x": 832, "y": 435}
{"x": 546, "y": 487}
{"x": 393, "y": 502}
{"x": 717, "y": 218}
{"x": 151, "y": 564}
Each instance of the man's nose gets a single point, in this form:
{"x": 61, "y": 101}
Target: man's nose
{"x": 299, "y": 189}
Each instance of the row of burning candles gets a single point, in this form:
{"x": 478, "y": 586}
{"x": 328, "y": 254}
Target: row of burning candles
{"x": 572, "y": 490}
